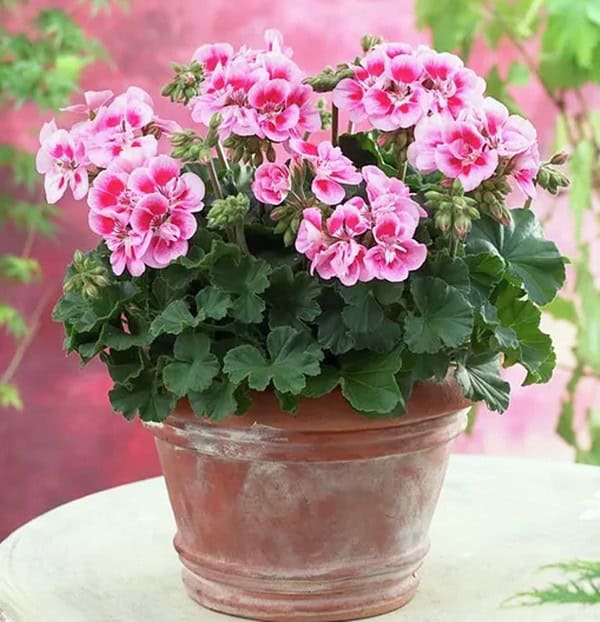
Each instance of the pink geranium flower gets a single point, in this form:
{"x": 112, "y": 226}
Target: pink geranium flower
{"x": 347, "y": 222}
{"x": 524, "y": 169}
{"x": 110, "y": 192}
{"x": 275, "y": 118}
{"x": 396, "y": 253}
{"x": 128, "y": 248}
{"x": 465, "y": 155}
{"x": 162, "y": 176}
{"x": 255, "y": 92}
{"x": 117, "y": 128}
{"x": 402, "y": 101}
{"x": 452, "y": 86}
{"x": 62, "y": 159}
{"x": 332, "y": 168}
{"x": 344, "y": 260}
{"x": 310, "y": 238}
{"x": 170, "y": 229}
{"x": 508, "y": 134}
{"x": 428, "y": 137}
{"x": 213, "y": 54}
{"x": 272, "y": 183}
{"x": 93, "y": 101}
{"x": 349, "y": 94}
{"x": 389, "y": 194}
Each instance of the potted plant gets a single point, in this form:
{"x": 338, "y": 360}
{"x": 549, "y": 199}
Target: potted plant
{"x": 302, "y": 321}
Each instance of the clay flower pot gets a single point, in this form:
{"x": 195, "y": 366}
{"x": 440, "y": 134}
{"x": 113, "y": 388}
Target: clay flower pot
{"x": 319, "y": 516}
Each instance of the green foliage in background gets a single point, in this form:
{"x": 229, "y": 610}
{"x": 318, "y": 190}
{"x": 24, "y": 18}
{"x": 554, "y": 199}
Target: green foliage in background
{"x": 557, "y": 44}
{"x": 40, "y": 65}
{"x": 580, "y": 584}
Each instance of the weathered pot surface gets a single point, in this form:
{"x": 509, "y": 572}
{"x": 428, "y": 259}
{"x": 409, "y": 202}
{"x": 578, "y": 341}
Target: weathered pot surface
{"x": 321, "y": 516}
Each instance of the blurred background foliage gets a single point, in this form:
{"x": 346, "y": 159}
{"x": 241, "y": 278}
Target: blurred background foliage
{"x": 40, "y": 65}
{"x": 557, "y": 43}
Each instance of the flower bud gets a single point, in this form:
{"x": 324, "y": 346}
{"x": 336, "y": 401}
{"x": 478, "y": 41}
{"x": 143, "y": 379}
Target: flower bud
{"x": 559, "y": 158}
{"x": 329, "y": 78}
{"x": 228, "y": 211}
{"x": 368, "y": 42}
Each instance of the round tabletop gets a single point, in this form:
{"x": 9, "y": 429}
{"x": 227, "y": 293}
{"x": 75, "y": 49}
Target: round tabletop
{"x": 108, "y": 557}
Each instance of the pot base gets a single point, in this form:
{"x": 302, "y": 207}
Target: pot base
{"x": 328, "y": 603}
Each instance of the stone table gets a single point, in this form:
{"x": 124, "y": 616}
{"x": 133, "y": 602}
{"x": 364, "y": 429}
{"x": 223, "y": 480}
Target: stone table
{"x": 108, "y": 557}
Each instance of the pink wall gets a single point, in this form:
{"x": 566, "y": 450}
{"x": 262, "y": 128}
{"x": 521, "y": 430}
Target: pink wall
{"x": 67, "y": 442}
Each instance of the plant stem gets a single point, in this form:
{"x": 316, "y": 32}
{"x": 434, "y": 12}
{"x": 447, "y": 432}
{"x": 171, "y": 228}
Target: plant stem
{"x": 350, "y": 127}
{"x": 335, "y": 122}
{"x": 222, "y": 157}
{"x": 25, "y": 342}
{"x": 214, "y": 178}
{"x": 240, "y": 237}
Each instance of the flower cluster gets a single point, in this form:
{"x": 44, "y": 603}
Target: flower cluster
{"x": 457, "y": 131}
{"x": 396, "y": 86}
{"x": 145, "y": 213}
{"x": 473, "y": 147}
{"x": 363, "y": 239}
{"x": 114, "y": 126}
{"x": 139, "y": 201}
{"x": 254, "y": 92}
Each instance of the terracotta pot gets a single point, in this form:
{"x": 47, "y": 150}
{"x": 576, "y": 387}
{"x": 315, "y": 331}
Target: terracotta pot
{"x": 320, "y": 516}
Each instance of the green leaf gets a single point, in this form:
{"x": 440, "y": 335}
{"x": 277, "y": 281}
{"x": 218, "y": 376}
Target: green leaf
{"x": 138, "y": 335}
{"x": 288, "y": 402}
{"x": 453, "y": 270}
{"x": 530, "y": 259}
{"x": 213, "y": 302}
{"x": 362, "y": 313}
{"x": 445, "y": 317}
{"x": 562, "y": 309}
{"x": 292, "y": 356}
{"x": 246, "y": 279}
{"x": 535, "y": 350}
{"x": 216, "y": 402}
{"x": 368, "y": 381}
{"x": 12, "y": 321}
{"x": 324, "y": 383}
{"x": 485, "y": 271}
{"x": 479, "y": 377}
{"x": 497, "y": 87}
{"x": 580, "y": 193}
{"x": 333, "y": 334}
{"x": 384, "y": 338}
{"x": 363, "y": 150}
{"x": 173, "y": 320}
{"x": 292, "y": 298}
{"x": 124, "y": 365}
{"x": 9, "y": 397}
{"x": 388, "y": 293}
{"x": 20, "y": 269}
{"x": 453, "y": 23}
{"x": 194, "y": 367}
{"x": 518, "y": 73}
{"x": 426, "y": 366}
{"x": 144, "y": 396}
{"x": 588, "y": 334}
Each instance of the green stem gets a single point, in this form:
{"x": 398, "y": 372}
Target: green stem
{"x": 214, "y": 178}
{"x": 222, "y": 157}
{"x": 335, "y": 122}
{"x": 240, "y": 237}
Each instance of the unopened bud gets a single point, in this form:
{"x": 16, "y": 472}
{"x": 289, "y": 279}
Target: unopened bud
{"x": 228, "y": 211}
{"x": 559, "y": 158}
{"x": 368, "y": 42}
{"x": 462, "y": 224}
